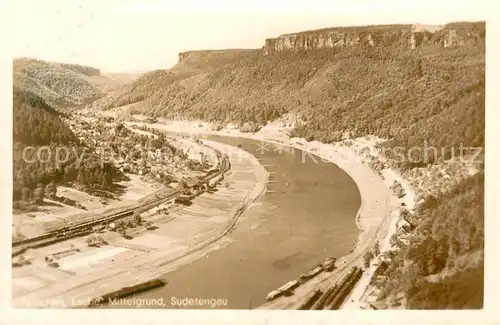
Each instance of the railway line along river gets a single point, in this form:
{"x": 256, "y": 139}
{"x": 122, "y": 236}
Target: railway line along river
{"x": 307, "y": 214}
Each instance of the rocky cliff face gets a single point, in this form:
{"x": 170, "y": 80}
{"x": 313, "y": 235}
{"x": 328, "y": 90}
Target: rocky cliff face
{"x": 183, "y": 55}
{"x": 405, "y": 36}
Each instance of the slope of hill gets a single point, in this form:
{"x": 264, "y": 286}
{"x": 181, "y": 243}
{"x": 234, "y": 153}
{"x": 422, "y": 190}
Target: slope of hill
{"x": 417, "y": 87}
{"x": 61, "y": 84}
{"x": 193, "y": 68}
{"x": 37, "y": 123}
{"x": 47, "y": 153}
{"x": 387, "y": 91}
{"x": 442, "y": 265}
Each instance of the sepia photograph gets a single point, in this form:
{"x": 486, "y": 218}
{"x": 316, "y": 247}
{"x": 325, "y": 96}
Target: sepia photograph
{"x": 172, "y": 156}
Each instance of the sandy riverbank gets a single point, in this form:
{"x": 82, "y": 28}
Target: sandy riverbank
{"x": 55, "y": 214}
{"x": 377, "y": 217}
{"x": 186, "y": 234}
{"x": 347, "y": 157}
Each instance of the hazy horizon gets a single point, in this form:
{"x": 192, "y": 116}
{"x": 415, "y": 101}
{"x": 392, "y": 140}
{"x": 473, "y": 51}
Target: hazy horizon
{"x": 138, "y": 36}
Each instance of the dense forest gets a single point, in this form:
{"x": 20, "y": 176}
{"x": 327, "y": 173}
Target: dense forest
{"x": 46, "y": 153}
{"x": 448, "y": 242}
{"x": 88, "y": 71}
{"x": 59, "y": 84}
{"x": 429, "y": 96}
{"x": 415, "y": 98}
{"x": 408, "y": 96}
{"x": 37, "y": 123}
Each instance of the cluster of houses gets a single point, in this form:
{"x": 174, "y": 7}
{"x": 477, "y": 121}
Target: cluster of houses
{"x": 133, "y": 158}
{"x": 437, "y": 178}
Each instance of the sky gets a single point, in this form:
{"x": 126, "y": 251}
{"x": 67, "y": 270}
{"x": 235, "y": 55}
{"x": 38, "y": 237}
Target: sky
{"x": 142, "y": 35}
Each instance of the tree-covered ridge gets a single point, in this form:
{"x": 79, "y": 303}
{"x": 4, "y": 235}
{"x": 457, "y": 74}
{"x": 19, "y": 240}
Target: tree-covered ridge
{"x": 47, "y": 153}
{"x": 431, "y": 96}
{"x": 88, "y": 71}
{"x": 407, "y": 96}
{"x": 410, "y": 99}
{"x": 462, "y": 290}
{"x": 193, "y": 67}
{"x": 441, "y": 265}
{"x": 37, "y": 123}
{"x": 58, "y": 84}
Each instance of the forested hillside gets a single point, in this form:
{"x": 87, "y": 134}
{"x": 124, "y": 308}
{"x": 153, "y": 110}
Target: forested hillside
{"x": 192, "y": 69}
{"x": 428, "y": 96}
{"x": 63, "y": 85}
{"x": 37, "y": 123}
{"x": 39, "y": 135}
{"x": 442, "y": 265}
{"x": 410, "y": 96}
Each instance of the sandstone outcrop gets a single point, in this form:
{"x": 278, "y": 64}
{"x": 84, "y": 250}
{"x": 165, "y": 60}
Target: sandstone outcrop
{"x": 405, "y": 36}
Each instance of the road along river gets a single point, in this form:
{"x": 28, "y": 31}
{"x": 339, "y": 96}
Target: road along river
{"x": 307, "y": 214}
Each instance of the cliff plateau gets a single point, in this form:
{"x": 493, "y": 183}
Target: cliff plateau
{"x": 405, "y": 36}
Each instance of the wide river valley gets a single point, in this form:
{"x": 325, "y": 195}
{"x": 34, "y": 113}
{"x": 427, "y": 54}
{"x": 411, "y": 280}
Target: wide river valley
{"x": 307, "y": 215}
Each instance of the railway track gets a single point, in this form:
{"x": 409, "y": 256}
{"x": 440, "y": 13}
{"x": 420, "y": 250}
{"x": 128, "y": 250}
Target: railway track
{"x": 85, "y": 227}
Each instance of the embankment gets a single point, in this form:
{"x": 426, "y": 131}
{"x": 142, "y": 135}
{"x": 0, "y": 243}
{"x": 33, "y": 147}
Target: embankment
{"x": 374, "y": 209}
{"x": 194, "y": 231}
{"x": 373, "y": 218}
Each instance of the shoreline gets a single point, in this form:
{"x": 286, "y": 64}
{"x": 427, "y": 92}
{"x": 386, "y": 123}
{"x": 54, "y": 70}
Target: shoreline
{"x": 375, "y": 220}
{"x": 163, "y": 262}
{"x": 339, "y": 161}
{"x": 46, "y": 219}
{"x": 258, "y": 190}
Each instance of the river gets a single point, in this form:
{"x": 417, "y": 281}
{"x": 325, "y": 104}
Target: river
{"x": 307, "y": 215}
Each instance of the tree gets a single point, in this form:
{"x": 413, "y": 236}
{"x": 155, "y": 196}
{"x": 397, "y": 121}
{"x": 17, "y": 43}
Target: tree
{"x": 376, "y": 249}
{"x": 119, "y": 127}
{"x": 183, "y": 184}
{"x": 131, "y": 223}
{"x": 122, "y": 232}
{"x": 39, "y": 194}
{"x": 26, "y": 194}
{"x": 405, "y": 214}
{"x": 81, "y": 178}
{"x": 104, "y": 183}
{"x": 394, "y": 241}
{"x": 367, "y": 257}
{"x": 410, "y": 276}
{"x": 51, "y": 190}
{"x": 137, "y": 218}
{"x": 119, "y": 224}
